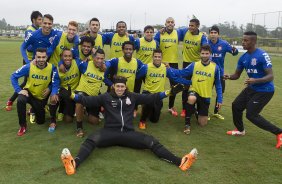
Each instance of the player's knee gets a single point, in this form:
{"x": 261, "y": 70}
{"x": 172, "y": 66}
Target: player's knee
{"x": 93, "y": 120}
{"x": 235, "y": 106}
{"x": 68, "y": 119}
{"x": 202, "y": 120}
{"x": 250, "y": 116}
{"x": 88, "y": 144}
{"x": 202, "y": 123}
{"x": 191, "y": 100}
{"x": 151, "y": 142}
{"x": 52, "y": 101}
{"x": 95, "y": 138}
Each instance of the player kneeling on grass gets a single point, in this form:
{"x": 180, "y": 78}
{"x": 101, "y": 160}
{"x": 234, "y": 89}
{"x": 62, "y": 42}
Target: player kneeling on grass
{"x": 154, "y": 75}
{"x": 203, "y": 76}
{"x": 69, "y": 77}
{"x": 37, "y": 89}
{"x": 118, "y": 129}
{"x": 92, "y": 77}
{"x": 259, "y": 90}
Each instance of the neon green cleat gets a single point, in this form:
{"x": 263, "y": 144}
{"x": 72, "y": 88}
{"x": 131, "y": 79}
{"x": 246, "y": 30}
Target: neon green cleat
{"x": 32, "y": 118}
{"x": 60, "y": 117}
{"x": 218, "y": 116}
{"x": 47, "y": 110}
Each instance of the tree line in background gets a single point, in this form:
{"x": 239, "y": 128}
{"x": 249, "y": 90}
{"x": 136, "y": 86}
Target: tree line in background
{"x": 229, "y": 30}
{"x": 232, "y": 31}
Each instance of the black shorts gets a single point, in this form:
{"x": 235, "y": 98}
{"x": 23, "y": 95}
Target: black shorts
{"x": 94, "y": 111}
{"x": 202, "y": 103}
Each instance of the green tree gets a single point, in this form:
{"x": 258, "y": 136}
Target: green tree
{"x": 3, "y": 24}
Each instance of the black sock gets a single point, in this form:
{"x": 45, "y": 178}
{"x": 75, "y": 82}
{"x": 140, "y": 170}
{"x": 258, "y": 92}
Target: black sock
{"x": 86, "y": 148}
{"x": 189, "y": 111}
{"x": 53, "y": 109}
{"x": 215, "y": 107}
{"x": 165, "y": 154}
{"x": 79, "y": 124}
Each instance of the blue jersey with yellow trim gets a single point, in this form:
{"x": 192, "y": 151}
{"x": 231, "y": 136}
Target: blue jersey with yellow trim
{"x": 28, "y": 31}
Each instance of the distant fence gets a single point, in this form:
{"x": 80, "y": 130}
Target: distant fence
{"x": 270, "y": 45}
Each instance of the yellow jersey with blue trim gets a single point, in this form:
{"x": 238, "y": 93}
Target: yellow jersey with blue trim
{"x": 82, "y": 57}
{"x": 191, "y": 47}
{"x": 117, "y": 41}
{"x": 169, "y": 46}
{"x": 71, "y": 77}
{"x": 145, "y": 52}
{"x": 63, "y": 44}
{"x": 98, "y": 41}
{"x": 128, "y": 70}
{"x": 91, "y": 81}
{"x": 38, "y": 80}
{"x": 155, "y": 78}
{"x": 203, "y": 79}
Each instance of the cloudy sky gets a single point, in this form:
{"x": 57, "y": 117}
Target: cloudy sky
{"x": 141, "y": 12}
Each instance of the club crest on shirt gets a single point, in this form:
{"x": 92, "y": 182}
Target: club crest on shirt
{"x": 219, "y": 48}
{"x": 127, "y": 101}
{"x": 254, "y": 62}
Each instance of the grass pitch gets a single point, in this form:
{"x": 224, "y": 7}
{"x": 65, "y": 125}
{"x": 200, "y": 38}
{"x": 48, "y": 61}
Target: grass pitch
{"x": 35, "y": 157}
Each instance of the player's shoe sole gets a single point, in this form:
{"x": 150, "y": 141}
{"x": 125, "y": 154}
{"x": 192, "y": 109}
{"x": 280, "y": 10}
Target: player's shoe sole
{"x": 188, "y": 160}
{"x": 236, "y": 132}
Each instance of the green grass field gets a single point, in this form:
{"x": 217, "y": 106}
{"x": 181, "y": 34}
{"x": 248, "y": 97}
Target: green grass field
{"x": 35, "y": 157}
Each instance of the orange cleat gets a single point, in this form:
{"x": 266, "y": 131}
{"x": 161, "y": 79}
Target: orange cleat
{"x": 188, "y": 160}
{"x": 21, "y": 131}
{"x": 9, "y": 105}
{"x": 236, "y": 132}
{"x": 183, "y": 113}
{"x": 68, "y": 161}
{"x": 279, "y": 141}
{"x": 142, "y": 125}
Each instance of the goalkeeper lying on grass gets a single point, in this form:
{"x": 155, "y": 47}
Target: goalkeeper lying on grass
{"x": 118, "y": 128}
